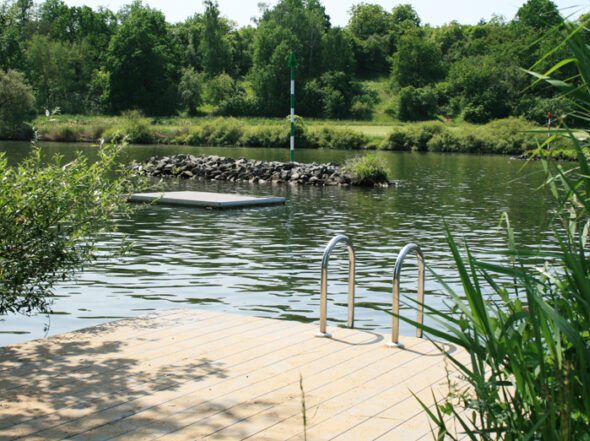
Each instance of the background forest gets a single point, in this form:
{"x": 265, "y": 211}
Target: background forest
{"x": 382, "y": 65}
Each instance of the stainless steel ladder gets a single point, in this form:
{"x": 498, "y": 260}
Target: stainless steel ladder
{"x": 396, "y": 276}
{"x": 324, "y": 284}
{"x": 395, "y": 303}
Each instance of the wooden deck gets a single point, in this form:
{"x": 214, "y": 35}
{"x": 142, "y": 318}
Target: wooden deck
{"x": 191, "y": 374}
{"x": 205, "y": 200}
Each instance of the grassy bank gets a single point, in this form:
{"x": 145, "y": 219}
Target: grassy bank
{"x": 508, "y": 136}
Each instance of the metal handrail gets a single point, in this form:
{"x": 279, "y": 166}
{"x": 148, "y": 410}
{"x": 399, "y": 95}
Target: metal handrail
{"x": 395, "y": 304}
{"x": 324, "y": 284}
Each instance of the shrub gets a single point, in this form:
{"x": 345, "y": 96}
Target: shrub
{"x": 331, "y": 138}
{"x": 238, "y": 105}
{"x": 413, "y": 137}
{"x": 416, "y": 104}
{"x": 50, "y": 219}
{"x": 222, "y": 132}
{"x": 367, "y": 170}
{"x": 134, "y": 129}
{"x": 443, "y": 142}
{"x": 265, "y": 136}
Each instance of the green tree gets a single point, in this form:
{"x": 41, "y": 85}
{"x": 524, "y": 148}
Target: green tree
{"x": 242, "y": 48}
{"x": 141, "y": 63}
{"x": 371, "y": 26}
{"x": 270, "y": 73}
{"x": 49, "y": 223}
{"x": 337, "y": 51}
{"x": 16, "y": 105}
{"x": 484, "y": 87}
{"x": 405, "y": 14}
{"x": 214, "y": 49}
{"x": 187, "y": 37}
{"x": 16, "y": 27}
{"x": 367, "y": 20}
{"x": 190, "y": 90}
{"x": 418, "y": 62}
{"x": 80, "y": 25}
{"x": 59, "y": 73}
{"x": 540, "y": 14}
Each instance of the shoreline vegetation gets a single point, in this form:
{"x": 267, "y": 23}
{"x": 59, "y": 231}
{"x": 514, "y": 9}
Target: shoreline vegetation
{"x": 509, "y": 136}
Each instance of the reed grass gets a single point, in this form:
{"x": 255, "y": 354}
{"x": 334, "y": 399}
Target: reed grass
{"x": 526, "y": 323}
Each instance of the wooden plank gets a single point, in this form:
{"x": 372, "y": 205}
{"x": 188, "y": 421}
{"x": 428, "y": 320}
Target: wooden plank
{"x": 204, "y": 199}
{"x": 190, "y": 374}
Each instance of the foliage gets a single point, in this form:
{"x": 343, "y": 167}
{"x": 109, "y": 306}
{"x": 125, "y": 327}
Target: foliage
{"x": 16, "y": 106}
{"x": 417, "y": 62}
{"x": 233, "y": 132}
{"x": 60, "y": 73}
{"x": 87, "y": 61}
{"x": 190, "y": 90}
{"x": 221, "y": 88}
{"x": 367, "y": 170}
{"x": 140, "y": 64}
{"x": 484, "y": 87}
{"x": 214, "y": 49}
{"x": 336, "y": 93}
{"x": 525, "y": 323}
{"x": 541, "y": 14}
{"x": 52, "y": 213}
{"x": 505, "y": 136}
{"x": 135, "y": 129}
{"x": 332, "y": 138}
{"x": 414, "y": 104}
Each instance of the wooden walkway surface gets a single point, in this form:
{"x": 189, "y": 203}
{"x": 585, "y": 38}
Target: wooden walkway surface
{"x": 191, "y": 374}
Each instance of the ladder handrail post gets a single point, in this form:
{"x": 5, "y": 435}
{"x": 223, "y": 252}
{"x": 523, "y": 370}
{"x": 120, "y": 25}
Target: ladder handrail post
{"x": 351, "y": 269}
{"x": 420, "y": 313}
{"x": 324, "y": 284}
{"x": 396, "y": 288}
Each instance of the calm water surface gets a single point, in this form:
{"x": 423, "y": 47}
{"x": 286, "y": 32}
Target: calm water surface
{"x": 265, "y": 262}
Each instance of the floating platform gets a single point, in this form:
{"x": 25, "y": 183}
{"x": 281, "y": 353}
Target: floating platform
{"x": 203, "y": 199}
{"x": 190, "y": 374}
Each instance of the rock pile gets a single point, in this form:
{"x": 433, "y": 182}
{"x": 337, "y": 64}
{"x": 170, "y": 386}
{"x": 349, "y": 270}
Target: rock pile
{"x": 219, "y": 168}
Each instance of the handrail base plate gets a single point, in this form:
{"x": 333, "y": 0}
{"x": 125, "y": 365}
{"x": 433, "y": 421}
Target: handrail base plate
{"x": 320, "y": 334}
{"x": 391, "y": 344}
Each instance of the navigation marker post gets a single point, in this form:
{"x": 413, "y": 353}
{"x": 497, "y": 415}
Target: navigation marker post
{"x": 292, "y": 65}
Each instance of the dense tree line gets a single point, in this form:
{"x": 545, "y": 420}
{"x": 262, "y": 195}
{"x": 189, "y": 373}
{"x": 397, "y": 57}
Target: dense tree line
{"x": 85, "y": 61}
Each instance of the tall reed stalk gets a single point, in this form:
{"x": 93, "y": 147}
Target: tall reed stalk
{"x": 526, "y": 325}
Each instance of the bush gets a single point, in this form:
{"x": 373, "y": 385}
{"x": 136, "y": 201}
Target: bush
{"x": 414, "y": 104}
{"x": 17, "y": 106}
{"x": 50, "y": 219}
{"x": 511, "y": 136}
{"x": 135, "y": 129}
{"x": 367, "y": 170}
{"x": 265, "y": 136}
{"x": 222, "y": 132}
{"x": 239, "y": 105}
{"x": 331, "y": 138}
{"x": 413, "y": 137}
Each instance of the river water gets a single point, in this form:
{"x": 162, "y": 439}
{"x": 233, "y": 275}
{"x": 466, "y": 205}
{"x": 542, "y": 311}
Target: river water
{"x": 265, "y": 262}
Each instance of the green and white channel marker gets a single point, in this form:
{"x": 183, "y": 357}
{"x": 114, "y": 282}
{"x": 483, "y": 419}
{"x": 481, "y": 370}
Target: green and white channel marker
{"x": 292, "y": 65}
